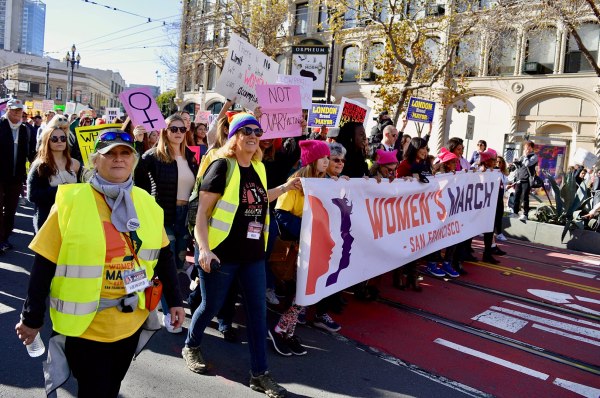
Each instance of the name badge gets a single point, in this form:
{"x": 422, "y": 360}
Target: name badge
{"x": 135, "y": 280}
{"x": 254, "y": 230}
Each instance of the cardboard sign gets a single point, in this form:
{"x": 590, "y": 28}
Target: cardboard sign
{"x": 48, "y": 105}
{"x": 421, "y": 110}
{"x": 357, "y": 229}
{"x": 245, "y": 68}
{"x": 112, "y": 114}
{"x": 281, "y": 110}
{"x": 142, "y": 108}
{"x": 86, "y": 138}
{"x": 320, "y": 115}
{"x": 202, "y": 117}
{"x": 306, "y": 87}
{"x": 311, "y": 62}
{"x": 38, "y": 105}
{"x": 70, "y": 108}
{"x": 584, "y": 158}
{"x": 352, "y": 111}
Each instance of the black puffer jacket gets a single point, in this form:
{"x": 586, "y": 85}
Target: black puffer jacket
{"x": 160, "y": 180}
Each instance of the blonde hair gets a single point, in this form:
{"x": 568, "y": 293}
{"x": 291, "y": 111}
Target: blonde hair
{"x": 222, "y": 132}
{"x": 163, "y": 148}
{"x": 228, "y": 150}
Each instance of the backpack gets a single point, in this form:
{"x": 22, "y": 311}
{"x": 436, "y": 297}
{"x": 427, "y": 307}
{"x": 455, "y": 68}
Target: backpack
{"x": 195, "y": 196}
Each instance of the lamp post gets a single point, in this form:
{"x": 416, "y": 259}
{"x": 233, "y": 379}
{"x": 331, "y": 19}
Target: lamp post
{"x": 72, "y": 60}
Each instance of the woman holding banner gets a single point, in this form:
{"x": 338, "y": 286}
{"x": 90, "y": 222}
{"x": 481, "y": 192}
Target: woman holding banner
{"x": 168, "y": 172}
{"x": 231, "y": 230}
{"x": 52, "y": 167}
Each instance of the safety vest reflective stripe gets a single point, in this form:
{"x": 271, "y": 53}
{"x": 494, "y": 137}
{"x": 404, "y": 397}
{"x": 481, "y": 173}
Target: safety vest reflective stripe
{"x": 79, "y": 271}
{"x": 224, "y": 205}
{"x": 218, "y": 224}
{"x": 72, "y": 308}
{"x": 149, "y": 254}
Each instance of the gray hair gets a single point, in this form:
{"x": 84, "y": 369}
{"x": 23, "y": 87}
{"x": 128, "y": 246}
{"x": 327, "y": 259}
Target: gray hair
{"x": 337, "y": 149}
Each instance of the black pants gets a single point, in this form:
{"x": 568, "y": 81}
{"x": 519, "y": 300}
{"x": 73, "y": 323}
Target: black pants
{"x": 100, "y": 367}
{"x": 9, "y": 199}
{"x": 522, "y": 190}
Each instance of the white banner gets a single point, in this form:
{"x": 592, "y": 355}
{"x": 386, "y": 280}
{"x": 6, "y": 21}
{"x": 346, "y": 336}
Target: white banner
{"x": 362, "y": 229}
{"x": 244, "y": 68}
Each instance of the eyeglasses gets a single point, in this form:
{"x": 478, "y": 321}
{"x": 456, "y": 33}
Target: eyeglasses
{"x": 55, "y": 139}
{"x": 111, "y": 136}
{"x": 249, "y": 130}
{"x": 338, "y": 160}
{"x": 175, "y": 129}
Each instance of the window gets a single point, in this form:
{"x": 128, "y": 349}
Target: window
{"x": 301, "y": 24}
{"x": 323, "y": 18}
{"x": 215, "y": 108}
{"x": 575, "y": 61}
{"x": 77, "y": 95}
{"x": 212, "y": 77}
{"x": 539, "y": 54}
{"x": 468, "y": 56}
{"x": 210, "y": 33}
{"x": 351, "y": 16}
{"x": 350, "y": 64}
{"x": 503, "y": 54}
{"x": 375, "y": 51}
{"x": 282, "y": 61}
{"x": 34, "y": 88}
{"x": 209, "y": 5}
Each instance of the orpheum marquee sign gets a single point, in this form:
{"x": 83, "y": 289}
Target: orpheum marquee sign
{"x": 311, "y": 61}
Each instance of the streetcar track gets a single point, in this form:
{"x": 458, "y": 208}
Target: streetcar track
{"x": 561, "y": 250}
{"x": 576, "y": 267}
{"x": 497, "y": 338}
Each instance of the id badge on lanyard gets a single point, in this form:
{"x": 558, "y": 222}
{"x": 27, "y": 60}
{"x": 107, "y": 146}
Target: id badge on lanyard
{"x": 135, "y": 280}
{"x": 254, "y": 230}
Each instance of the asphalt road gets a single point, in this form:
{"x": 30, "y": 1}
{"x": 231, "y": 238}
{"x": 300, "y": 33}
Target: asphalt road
{"x": 334, "y": 367}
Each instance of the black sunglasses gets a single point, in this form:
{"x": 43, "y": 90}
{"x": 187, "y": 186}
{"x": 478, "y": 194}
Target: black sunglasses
{"x": 55, "y": 139}
{"x": 111, "y": 136}
{"x": 249, "y": 130}
{"x": 175, "y": 129}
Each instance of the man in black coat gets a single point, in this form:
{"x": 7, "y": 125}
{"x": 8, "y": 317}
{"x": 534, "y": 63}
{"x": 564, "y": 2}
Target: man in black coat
{"x": 16, "y": 147}
{"x": 526, "y": 166}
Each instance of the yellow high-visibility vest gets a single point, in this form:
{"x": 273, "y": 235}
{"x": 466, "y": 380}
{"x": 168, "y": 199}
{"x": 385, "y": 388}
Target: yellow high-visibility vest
{"x": 77, "y": 283}
{"x": 223, "y": 214}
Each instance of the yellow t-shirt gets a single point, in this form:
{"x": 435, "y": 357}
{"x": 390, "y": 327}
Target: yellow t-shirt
{"x": 292, "y": 201}
{"x": 110, "y": 324}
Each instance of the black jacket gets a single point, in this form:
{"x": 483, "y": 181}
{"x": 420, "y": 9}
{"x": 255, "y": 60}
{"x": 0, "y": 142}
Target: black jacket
{"x": 160, "y": 180}
{"x": 526, "y": 167}
{"x": 10, "y": 172}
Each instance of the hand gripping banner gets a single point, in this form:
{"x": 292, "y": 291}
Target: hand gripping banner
{"x": 357, "y": 229}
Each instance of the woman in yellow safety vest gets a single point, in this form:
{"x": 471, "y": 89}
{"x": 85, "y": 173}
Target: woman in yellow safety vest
{"x": 97, "y": 252}
{"x": 231, "y": 230}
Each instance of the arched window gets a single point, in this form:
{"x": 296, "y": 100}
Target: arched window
{"x": 575, "y": 61}
{"x": 375, "y": 51}
{"x": 350, "y": 64}
{"x": 503, "y": 54}
{"x": 468, "y": 56}
{"x": 541, "y": 48}
{"x": 215, "y": 107}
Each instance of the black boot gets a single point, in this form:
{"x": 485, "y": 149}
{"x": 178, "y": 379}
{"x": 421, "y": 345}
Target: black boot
{"x": 487, "y": 258}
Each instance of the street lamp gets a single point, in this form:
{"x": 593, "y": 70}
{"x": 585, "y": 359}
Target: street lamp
{"x": 72, "y": 60}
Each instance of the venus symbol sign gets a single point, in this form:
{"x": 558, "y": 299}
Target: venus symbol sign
{"x": 142, "y": 109}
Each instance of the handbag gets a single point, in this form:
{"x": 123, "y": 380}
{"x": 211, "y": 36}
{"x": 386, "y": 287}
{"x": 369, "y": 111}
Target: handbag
{"x": 283, "y": 259}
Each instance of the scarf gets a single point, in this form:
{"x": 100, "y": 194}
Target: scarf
{"x": 118, "y": 198}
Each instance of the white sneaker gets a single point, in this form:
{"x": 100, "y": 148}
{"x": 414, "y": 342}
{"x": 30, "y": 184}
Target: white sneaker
{"x": 501, "y": 238}
{"x": 168, "y": 326}
{"x": 513, "y": 215}
{"x": 271, "y": 297}
{"x": 523, "y": 217}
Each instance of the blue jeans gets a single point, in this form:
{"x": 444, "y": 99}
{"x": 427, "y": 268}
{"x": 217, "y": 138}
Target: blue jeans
{"x": 215, "y": 286}
{"x": 273, "y": 234}
{"x": 179, "y": 236}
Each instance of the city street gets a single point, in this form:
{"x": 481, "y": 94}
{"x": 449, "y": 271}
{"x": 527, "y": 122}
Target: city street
{"x": 528, "y": 326}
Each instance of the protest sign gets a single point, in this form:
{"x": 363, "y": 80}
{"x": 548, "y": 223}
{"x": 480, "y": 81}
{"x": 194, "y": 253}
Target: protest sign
{"x": 202, "y": 117}
{"x": 420, "y": 110}
{"x": 356, "y": 229}
{"x": 281, "y": 110}
{"x": 86, "y": 137}
{"x": 320, "y": 115}
{"x": 80, "y": 107}
{"x": 306, "y": 87}
{"x": 59, "y": 107}
{"x": 142, "y": 108}
{"x": 196, "y": 150}
{"x": 311, "y": 62}
{"x": 584, "y": 158}
{"x": 48, "y": 105}
{"x": 112, "y": 114}
{"x": 70, "y": 108}
{"x": 38, "y": 105}
{"x": 352, "y": 111}
{"x": 244, "y": 69}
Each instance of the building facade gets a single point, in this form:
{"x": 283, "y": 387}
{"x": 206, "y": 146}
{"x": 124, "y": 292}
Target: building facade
{"x": 94, "y": 87}
{"x": 533, "y": 84}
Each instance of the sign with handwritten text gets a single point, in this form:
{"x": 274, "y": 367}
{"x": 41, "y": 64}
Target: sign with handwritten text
{"x": 245, "y": 68}
{"x": 86, "y": 138}
{"x": 306, "y": 87}
{"x": 281, "y": 110}
{"x": 142, "y": 109}
{"x": 320, "y": 115}
{"x": 47, "y": 105}
{"x": 352, "y": 111}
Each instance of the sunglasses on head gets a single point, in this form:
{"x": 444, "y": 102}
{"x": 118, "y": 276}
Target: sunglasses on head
{"x": 249, "y": 130}
{"x": 175, "y": 129}
{"x": 55, "y": 139}
{"x": 111, "y": 136}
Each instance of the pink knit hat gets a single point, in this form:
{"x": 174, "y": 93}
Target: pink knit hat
{"x": 487, "y": 155}
{"x": 445, "y": 155}
{"x": 387, "y": 157}
{"x": 311, "y": 150}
